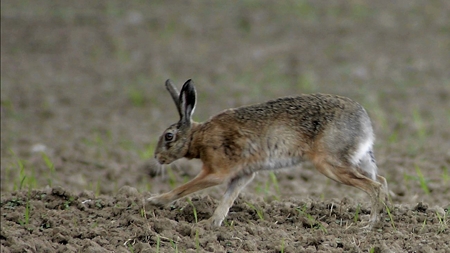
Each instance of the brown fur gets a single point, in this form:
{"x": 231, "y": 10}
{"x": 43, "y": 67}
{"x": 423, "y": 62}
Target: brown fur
{"x": 333, "y": 132}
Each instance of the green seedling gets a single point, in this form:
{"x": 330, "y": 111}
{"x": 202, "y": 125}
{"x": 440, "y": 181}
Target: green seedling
{"x": 228, "y": 224}
{"x": 258, "y": 211}
{"x": 197, "y": 242}
{"x": 98, "y": 204}
{"x": 95, "y": 187}
{"x": 26, "y": 180}
{"x": 282, "y": 245}
{"x": 312, "y": 221}
{"x": 22, "y": 175}
{"x": 143, "y": 212}
{"x": 307, "y": 215}
{"x": 423, "y": 225}
{"x": 422, "y": 181}
{"x": 194, "y": 209}
{"x": 388, "y": 210}
{"x": 158, "y": 243}
{"x": 269, "y": 186}
{"x": 274, "y": 180}
{"x": 68, "y": 202}
{"x": 26, "y": 216}
{"x": 445, "y": 174}
{"x": 174, "y": 245}
{"x": 442, "y": 222}
{"x": 12, "y": 204}
{"x": 50, "y": 166}
{"x": 19, "y": 165}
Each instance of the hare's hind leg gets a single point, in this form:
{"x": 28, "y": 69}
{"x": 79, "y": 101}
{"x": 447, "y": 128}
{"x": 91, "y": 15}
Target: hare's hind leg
{"x": 385, "y": 190}
{"x": 205, "y": 179}
{"x": 351, "y": 176}
{"x": 235, "y": 186}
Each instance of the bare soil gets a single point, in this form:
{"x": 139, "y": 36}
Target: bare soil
{"x": 83, "y": 103}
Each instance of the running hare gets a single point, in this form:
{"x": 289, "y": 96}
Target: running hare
{"x": 332, "y": 132}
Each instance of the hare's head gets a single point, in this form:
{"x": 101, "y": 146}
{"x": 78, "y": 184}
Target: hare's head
{"x": 174, "y": 142}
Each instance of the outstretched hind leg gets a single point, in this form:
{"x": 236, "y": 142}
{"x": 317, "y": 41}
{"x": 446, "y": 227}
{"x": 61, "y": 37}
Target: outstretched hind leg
{"x": 385, "y": 190}
{"x": 351, "y": 176}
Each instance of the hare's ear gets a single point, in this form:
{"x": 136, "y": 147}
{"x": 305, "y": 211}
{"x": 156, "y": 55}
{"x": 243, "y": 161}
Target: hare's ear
{"x": 174, "y": 93}
{"x": 187, "y": 102}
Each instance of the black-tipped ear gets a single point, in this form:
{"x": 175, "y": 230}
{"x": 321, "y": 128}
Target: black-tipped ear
{"x": 174, "y": 93}
{"x": 187, "y": 101}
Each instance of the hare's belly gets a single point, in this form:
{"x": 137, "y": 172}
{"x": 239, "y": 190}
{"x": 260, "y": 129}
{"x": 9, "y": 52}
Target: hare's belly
{"x": 274, "y": 163}
{"x": 271, "y": 164}
{"x": 271, "y": 154}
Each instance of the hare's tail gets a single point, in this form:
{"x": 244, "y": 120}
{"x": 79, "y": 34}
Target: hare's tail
{"x": 368, "y": 165}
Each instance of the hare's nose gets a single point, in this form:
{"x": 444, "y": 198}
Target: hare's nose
{"x": 160, "y": 159}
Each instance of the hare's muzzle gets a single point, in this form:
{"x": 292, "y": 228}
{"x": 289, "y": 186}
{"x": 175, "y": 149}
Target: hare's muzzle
{"x": 160, "y": 159}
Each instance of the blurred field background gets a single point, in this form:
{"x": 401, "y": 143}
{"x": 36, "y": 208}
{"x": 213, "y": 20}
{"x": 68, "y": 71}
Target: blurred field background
{"x": 83, "y": 99}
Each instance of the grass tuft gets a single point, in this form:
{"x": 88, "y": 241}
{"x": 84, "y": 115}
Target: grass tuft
{"x": 391, "y": 218}
{"x": 158, "y": 243}
{"x": 282, "y": 246}
{"x": 274, "y": 180}
{"x": 442, "y": 222}
{"x": 197, "y": 242}
{"x": 311, "y": 220}
{"x": 27, "y": 178}
{"x": 358, "y": 209}
{"x": 51, "y": 168}
{"x": 26, "y": 217}
{"x": 193, "y": 209}
{"x": 422, "y": 180}
{"x": 258, "y": 211}
{"x": 445, "y": 174}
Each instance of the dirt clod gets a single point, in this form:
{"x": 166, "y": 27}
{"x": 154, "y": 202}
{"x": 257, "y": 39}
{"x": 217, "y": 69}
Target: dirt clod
{"x": 83, "y": 104}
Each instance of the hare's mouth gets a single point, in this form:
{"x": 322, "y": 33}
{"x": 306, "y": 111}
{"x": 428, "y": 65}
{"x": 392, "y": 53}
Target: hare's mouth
{"x": 160, "y": 159}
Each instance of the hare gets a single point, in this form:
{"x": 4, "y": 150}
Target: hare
{"x": 333, "y": 132}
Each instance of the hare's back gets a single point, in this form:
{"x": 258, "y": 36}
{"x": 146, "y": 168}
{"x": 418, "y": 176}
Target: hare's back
{"x": 317, "y": 109}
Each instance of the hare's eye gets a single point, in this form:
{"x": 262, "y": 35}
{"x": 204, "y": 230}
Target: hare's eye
{"x": 168, "y": 136}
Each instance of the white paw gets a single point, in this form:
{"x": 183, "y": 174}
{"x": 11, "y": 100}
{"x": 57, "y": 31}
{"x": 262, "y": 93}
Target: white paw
{"x": 215, "y": 221}
{"x": 155, "y": 201}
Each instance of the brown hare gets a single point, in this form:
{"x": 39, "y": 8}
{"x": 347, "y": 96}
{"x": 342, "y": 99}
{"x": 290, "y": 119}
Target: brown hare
{"x": 333, "y": 132}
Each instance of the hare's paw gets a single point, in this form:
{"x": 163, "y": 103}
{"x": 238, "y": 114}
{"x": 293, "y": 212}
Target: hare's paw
{"x": 209, "y": 224}
{"x": 157, "y": 201}
{"x": 215, "y": 221}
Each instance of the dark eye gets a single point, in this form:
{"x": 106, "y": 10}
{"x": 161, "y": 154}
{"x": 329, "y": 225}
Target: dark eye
{"x": 168, "y": 136}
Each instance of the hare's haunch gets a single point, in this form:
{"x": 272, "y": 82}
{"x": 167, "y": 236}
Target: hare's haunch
{"x": 333, "y": 132}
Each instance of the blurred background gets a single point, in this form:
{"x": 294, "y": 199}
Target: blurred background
{"x": 83, "y": 99}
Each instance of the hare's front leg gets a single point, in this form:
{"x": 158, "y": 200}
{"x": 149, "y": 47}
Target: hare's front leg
{"x": 205, "y": 179}
{"x": 234, "y": 188}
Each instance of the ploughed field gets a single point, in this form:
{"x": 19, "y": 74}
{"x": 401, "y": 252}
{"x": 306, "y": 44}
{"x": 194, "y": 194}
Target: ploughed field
{"x": 83, "y": 104}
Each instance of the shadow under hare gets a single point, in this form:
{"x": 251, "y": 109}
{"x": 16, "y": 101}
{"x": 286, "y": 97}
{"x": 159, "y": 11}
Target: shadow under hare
{"x": 333, "y": 132}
